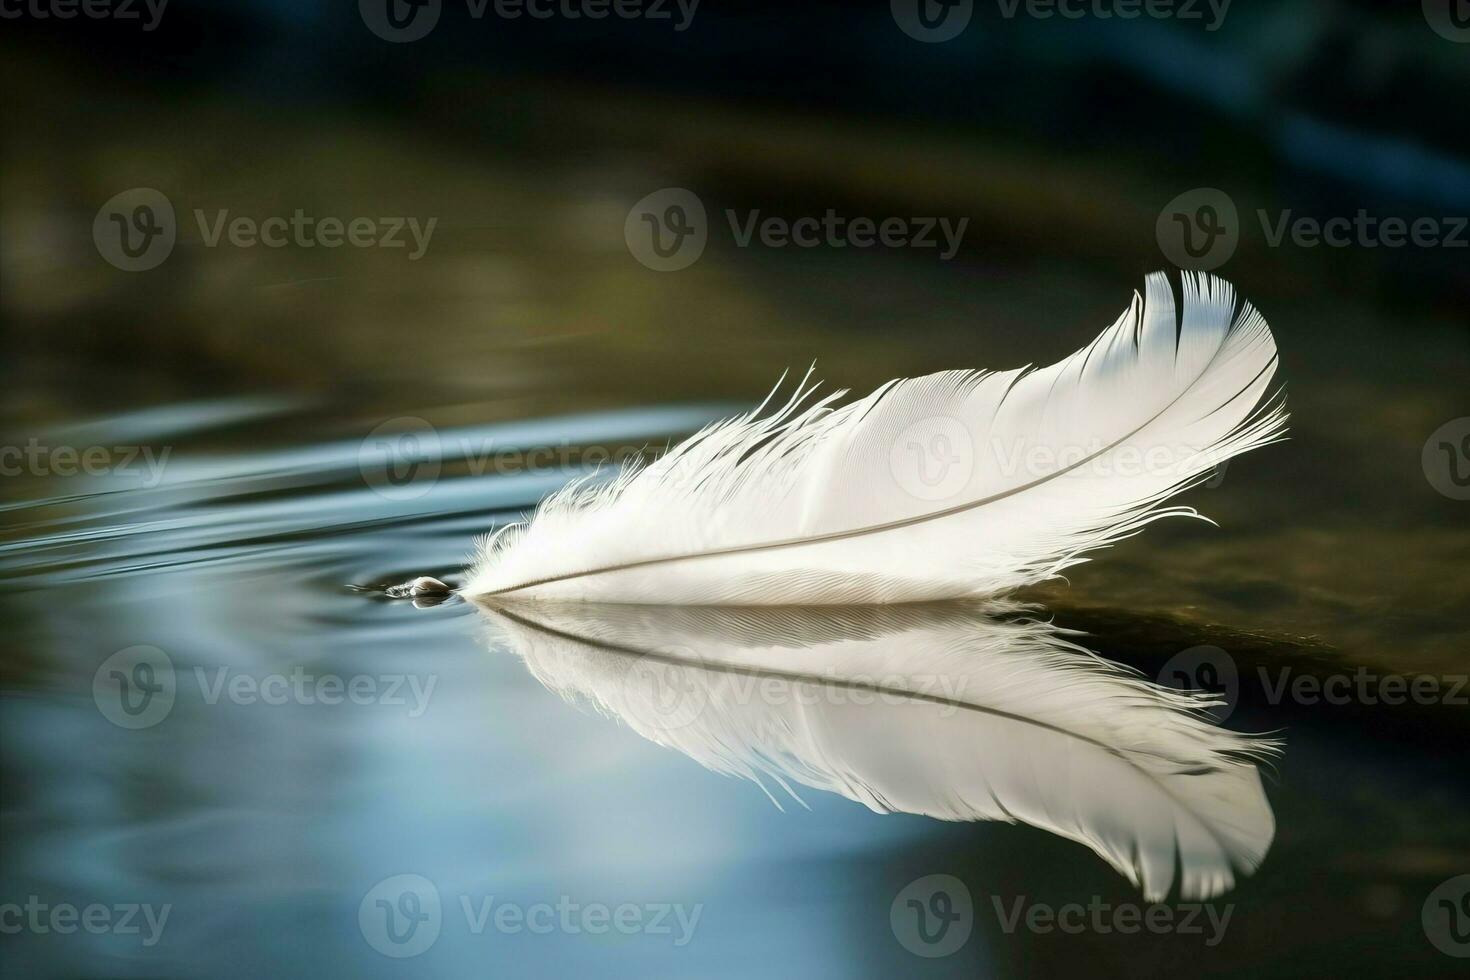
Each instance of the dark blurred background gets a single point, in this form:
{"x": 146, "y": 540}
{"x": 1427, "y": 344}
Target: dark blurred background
{"x": 1060, "y": 139}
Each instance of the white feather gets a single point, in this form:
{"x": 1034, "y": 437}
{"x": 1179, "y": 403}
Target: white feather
{"x": 962, "y": 483}
{"x": 938, "y": 710}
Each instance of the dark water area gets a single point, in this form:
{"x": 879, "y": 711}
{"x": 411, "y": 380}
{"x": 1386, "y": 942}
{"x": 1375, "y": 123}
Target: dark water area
{"x": 214, "y": 723}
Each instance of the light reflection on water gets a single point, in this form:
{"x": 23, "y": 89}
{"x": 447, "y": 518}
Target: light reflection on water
{"x": 264, "y": 825}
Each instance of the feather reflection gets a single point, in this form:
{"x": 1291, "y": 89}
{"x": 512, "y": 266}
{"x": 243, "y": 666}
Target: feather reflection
{"x": 960, "y": 711}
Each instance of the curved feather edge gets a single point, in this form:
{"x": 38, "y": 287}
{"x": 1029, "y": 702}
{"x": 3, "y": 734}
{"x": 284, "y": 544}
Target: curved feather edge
{"x": 957, "y": 484}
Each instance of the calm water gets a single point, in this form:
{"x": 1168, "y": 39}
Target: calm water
{"x": 271, "y": 811}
